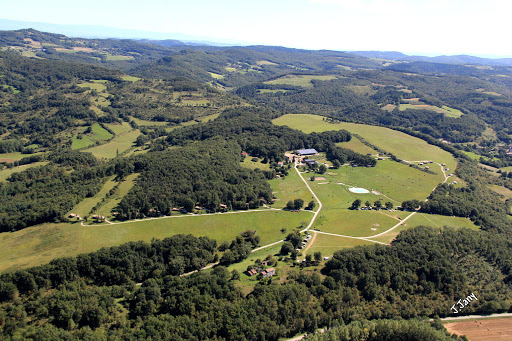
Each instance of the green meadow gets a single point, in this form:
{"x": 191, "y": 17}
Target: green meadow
{"x": 289, "y": 188}
{"x": 300, "y": 80}
{"x": 40, "y": 244}
{"x": 400, "y": 144}
{"x": 119, "y": 144}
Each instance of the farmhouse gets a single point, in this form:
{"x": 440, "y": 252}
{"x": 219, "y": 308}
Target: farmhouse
{"x": 268, "y": 272}
{"x": 302, "y": 152}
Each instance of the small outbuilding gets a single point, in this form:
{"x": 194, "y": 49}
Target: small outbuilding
{"x": 268, "y": 272}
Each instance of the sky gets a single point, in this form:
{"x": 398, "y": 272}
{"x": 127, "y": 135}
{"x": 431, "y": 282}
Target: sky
{"x": 476, "y": 27}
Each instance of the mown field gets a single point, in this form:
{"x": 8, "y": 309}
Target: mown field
{"x": 327, "y": 244}
{"x": 289, "y": 188}
{"x": 119, "y": 144}
{"x": 402, "y": 145}
{"x": 40, "y": 244}
{"x": 300, "y": 80}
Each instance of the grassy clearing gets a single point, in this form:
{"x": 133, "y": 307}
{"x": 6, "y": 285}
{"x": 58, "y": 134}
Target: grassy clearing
{"x": 424, "y": 219}
{"x": 119, "y": 129}
{"x": 265, "y": 62}
{"x": 270, "y": 91}
{"x": 130, "y": 78}
{"x": 14, "y": 90}
{"x": 40, "y": 244}
{"x": 447, "y": 111}
{"x": 507, "y": 194}
{"x": 356, "y": 145}
{"x": 119, "y": 145}
{"x": 83, "y": 142}
{"x": 247, "y": 163}
{"x": 327, "y": 244}
{"x": 124, "y": 187}
{"x": 85, "y": 206}
{"x": 6, "y": 173}
{"x": 300, "y": 80}
{"x": 148, "y": 123}
{"x": 100, "y": 132}
{"x": 94, "y": 86}
{"x": 472, "y": 155}
{"x": 289, "y": 188}
{"x": 111, "y": 57}
{"x": 11, "y": 157}
{"x": 216, "y": 75}
{"x": 390, "y": 140}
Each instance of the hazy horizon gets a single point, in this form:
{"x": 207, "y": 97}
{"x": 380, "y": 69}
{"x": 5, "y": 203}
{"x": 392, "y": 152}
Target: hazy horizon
{"x": 418, "y": 27}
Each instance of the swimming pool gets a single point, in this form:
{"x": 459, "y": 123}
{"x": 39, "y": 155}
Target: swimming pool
{"x": 358, "y": 190}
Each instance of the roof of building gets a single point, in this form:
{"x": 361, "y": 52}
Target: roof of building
{"x": 306, "y": 151}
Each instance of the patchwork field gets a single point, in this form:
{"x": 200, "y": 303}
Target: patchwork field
{"x": 40, "y": 244}
{"x": 495, "y": 329}
{"x": 389, "y": 140}
{"x": 119, "y": 145}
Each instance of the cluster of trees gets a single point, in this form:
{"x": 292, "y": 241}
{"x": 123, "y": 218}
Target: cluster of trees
{"x": 385, "y": 330}
{"x": 206, "y": 174}
{"x": 376, "y": 205}
{"x": 474, "y": 201}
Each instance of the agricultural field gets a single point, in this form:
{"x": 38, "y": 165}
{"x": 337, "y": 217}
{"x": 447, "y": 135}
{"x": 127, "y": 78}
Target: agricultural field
{"x": 447, "y": 111}
{"x": 84, "y": 207}
{"x": 6, "y": 173}
{"x": 504, "y": 191}
{"x": 40, "y": 244}
{"x": 117, "y": 145}
{"x": 111, "y": 202}
{"x": 300, "y": 80}
{"x": 147, "y": 123}
{"x": 130, "y": 78}
{"x": 289, "y": 188}
{"x": 387, "y": 139}
{"x": 425, "y": 219}
{"x": 98, "y": 85}
{"x": 327, "y": 244}
{"x": 11, "y": 157}
{"x": 119, "y": 129}
{"x": 491, "y": 329}
{"x": 356, "y": 145}
{"x": 97, "y": 134}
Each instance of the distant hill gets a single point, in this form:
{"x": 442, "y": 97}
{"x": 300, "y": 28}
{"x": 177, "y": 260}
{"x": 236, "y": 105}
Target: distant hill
{"x": 458, "y": 59}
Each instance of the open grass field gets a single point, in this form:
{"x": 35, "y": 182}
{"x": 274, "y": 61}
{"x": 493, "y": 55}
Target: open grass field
{"x": 390, "y": 140}
{"x": 14, "y": 90}
{"x": 119, "y": 144}
{"x": 425, "y": 219}
{"x": 504, "y": 191}
{"x": 119, "y": 128}
{"x": 130, "y": 78}
{"x": 84, "y": 207}
{"x": 327, "y": 244}
{"x": 289, "y": 188}
{"x": 94, "y": 86}
{"x": 83, "y": 142}
{"x": 124, "y": 187}
{"x": 149, "y": 123}
{"x": 265, "y": 62}
{"x": 100, "y": 133}
{"x": 11, "y": 157}
{"x": 472, "y": 155}
{"x": 494, "y": 329}
{"x": 356, "y": 145}
{"x": 111, "y": 57}
{"x": 447, "y": 111}
{"x": 270, "y": 91}
{"x": 40, "y": 244}
{"x": 216, "y": 75}
{"x": 254, "y": 165}
{"x": 6, "y": 173}
{"x": 300, "y": 80}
